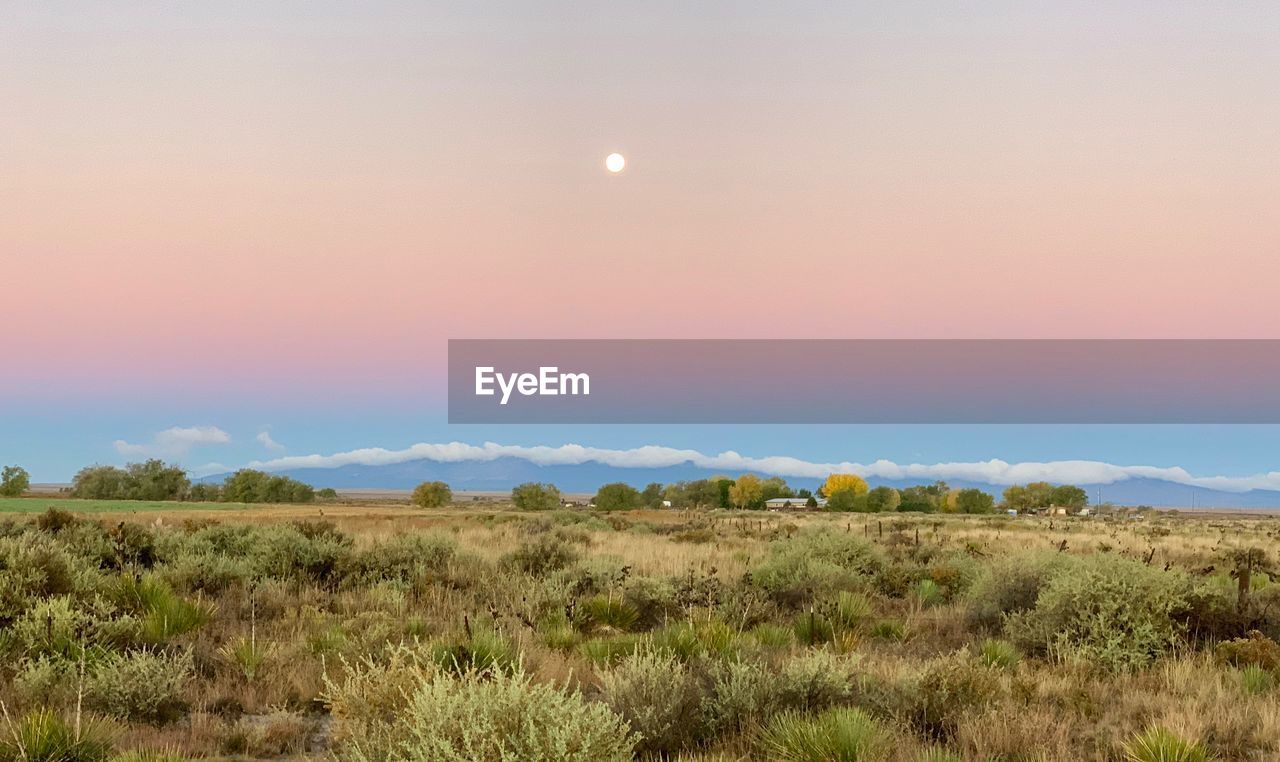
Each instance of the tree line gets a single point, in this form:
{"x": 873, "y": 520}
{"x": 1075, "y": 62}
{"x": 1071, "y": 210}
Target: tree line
{"x": 156, "y": 480}
{"x": 840, "y": 492}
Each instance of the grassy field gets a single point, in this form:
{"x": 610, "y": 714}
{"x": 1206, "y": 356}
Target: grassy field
{"x": 39, "y": 504}
{"x": 378, "y": 631}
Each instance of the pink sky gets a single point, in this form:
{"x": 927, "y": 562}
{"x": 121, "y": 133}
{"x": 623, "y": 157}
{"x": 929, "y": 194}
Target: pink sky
{"x": 332, "y": 198}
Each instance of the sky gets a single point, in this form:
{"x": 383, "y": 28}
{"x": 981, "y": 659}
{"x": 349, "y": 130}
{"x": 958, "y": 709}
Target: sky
{"x": 259, "y": 217}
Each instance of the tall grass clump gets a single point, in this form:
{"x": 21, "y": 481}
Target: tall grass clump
{"x": 836, "y": 735}
{"x": 1160, "y": 745}
{"x": 43, "y": 736}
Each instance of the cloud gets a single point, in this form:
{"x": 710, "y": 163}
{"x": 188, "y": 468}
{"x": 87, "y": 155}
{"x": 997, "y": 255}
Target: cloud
{"x": 264, "y": 438}
{"x": 174, "y": 442}
{"x": 993, "y": 472}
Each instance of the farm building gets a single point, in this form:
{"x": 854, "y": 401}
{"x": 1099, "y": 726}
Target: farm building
{"x": 790, "y": 503}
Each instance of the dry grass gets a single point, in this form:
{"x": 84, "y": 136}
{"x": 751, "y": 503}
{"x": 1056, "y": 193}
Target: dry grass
{"x": 262, "y": 660}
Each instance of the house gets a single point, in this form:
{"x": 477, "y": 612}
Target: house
{"x": 790, "y": 503}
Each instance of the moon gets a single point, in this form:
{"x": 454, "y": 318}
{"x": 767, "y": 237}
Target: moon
{"x": 615, "y": 162}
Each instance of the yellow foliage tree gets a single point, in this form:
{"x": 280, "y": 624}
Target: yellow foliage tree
{"x": 747, "y": 491}
{"x": 837, "y": 482}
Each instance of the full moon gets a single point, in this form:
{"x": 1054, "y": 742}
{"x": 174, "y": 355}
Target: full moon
{"x": 614, "y": 162}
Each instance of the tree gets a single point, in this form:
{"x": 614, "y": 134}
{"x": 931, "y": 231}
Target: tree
{"x": 652, "y": 497}
{"x": 432, "y": 495}
{"x": 251, "y": 486}
{"x": 618, "y": 496}
{"x": 723, "y": 485}
{"x": 883, "y": 500}
{"x": 747, "y": 492}
{"x": 154, "y": 480}
{"x": 918, "y": 499}
{"x": 532, "y": 496}
{"x": 328, "y": 493}
{"x": 774, "y": 487}
{"x": 98, "y": 483}
{"x": 14, "y": 480}
{"x": 845, "y": 499}
{"x": 811, "y": 502}
{"x": 836, "y": 482}
{"x": 1069, "y": 496}
{"x": 204, "y": 493}
{"x": 974, "y": 501}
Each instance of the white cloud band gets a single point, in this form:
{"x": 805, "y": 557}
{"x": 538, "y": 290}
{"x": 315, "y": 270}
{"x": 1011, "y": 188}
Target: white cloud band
{"x": 994, "y": 472}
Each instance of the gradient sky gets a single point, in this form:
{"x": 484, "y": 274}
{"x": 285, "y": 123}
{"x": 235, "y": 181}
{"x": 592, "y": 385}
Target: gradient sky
{"x": 266, "y": 214}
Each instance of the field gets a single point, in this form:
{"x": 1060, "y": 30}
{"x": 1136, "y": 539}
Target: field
{"x": 378, "y": 631}
{"x": 40, "y": 504}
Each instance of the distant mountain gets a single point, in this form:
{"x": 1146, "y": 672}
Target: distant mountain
{"x": 502, "y": 474}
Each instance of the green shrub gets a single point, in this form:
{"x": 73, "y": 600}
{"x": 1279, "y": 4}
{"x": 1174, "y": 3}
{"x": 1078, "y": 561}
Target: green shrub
{"x": 403, "y": 558}
{"x": 1111, "y": 611}
{"x": 45, "y": 681}
{"x": 743, "y": 694}
{"x": 53, "y": 627}
{"x": 542, "y": 554}
{"x": 33, "y": 568}
{"x": 43, "y": 736}
{"x": 1254, "y": 650}
{"x": 814, "y": 680}
{"x": 837, "y": 735}
{"x": 471, "y": 717}
{"x": 659, "y": 698}
{"x": 1011, "y": 586}
{"x": 1160, "y": 745}
{"x": 276, "y": 734}
{"x": 948, "y": 689}
{"x": 145, "y": 685}
{"x": 814, "y": 564}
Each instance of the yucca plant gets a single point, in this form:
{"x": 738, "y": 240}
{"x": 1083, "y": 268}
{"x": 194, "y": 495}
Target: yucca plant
{"x": 852, "y": 610}
{"x": 772, "y": 635}
{"x": 999, "y": 653}
{"x": 604, "y": 651}
{"x": 889, "y": 630}
{"x": 247, "y": 656}
{"x": 928, "y": 593}
{"x": 610, "y": 614}
{"x": 837, "y": 735}
{"x": 43, "y": 736}
{"x": 149, "y": 755}
{"x": 482, "y": 652}
{"x": 1255, "y": 679}
{"x": 163, "y": 613}
{"x": 1160, "y": 745}
{"x": 812, "y": 629}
